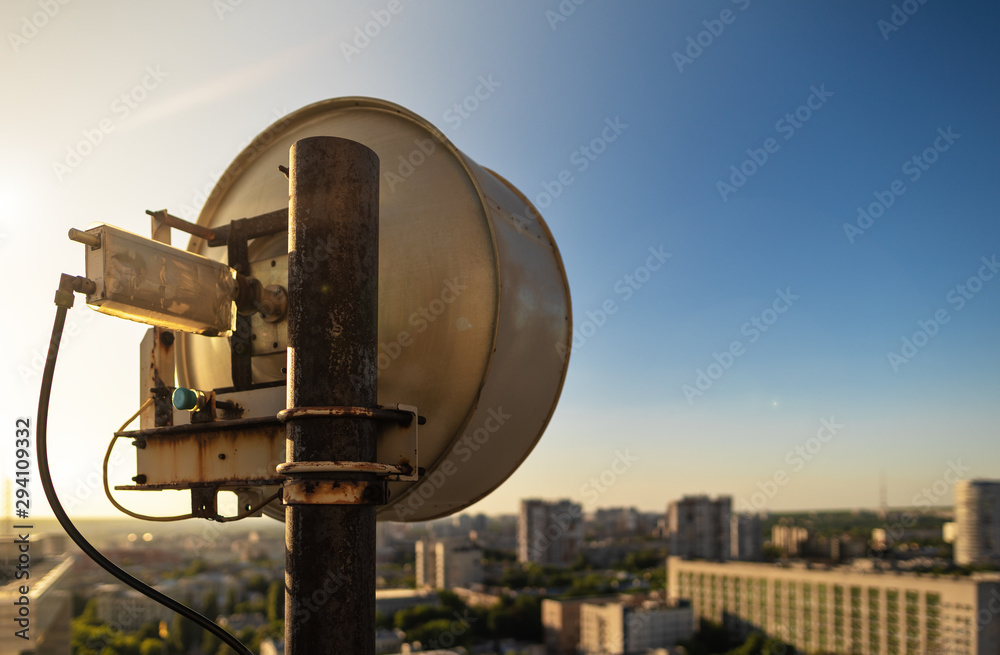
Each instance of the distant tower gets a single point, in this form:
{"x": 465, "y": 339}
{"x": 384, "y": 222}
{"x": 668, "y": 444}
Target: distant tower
{"x": 745, "y": 538}
{"x": 700, "y": 527}
{"x": 977, "y": 513}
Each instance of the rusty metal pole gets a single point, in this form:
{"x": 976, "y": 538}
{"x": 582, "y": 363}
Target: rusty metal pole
{"x": 332, "y": 339}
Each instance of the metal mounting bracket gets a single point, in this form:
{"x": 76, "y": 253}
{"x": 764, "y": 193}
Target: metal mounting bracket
{"x": 405, "y": 416}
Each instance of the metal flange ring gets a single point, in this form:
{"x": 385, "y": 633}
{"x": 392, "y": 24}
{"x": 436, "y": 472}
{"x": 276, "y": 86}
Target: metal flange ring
{"x": 299, "y": 468}
{"x": 376, "y": 413}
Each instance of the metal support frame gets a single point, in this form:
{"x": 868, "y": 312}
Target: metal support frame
{"x": 239, "y": 342}
{"x": 332, "y": 334}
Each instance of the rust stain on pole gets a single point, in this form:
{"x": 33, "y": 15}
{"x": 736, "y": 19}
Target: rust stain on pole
{"x": 332, "y": 338}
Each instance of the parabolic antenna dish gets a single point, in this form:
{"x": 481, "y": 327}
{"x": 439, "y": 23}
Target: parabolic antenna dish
{"x": 474, "y": 307}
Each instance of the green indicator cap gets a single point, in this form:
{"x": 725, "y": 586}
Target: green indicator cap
{"x": 185, "y": 398}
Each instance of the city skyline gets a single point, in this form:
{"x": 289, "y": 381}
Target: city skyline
{"x": 777, "y": 223}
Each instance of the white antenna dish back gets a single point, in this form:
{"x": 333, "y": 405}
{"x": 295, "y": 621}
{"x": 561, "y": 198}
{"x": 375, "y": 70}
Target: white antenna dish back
{"x": 474, "y": 305}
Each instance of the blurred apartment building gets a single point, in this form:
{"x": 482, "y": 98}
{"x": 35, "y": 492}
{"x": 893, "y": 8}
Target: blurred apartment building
{"x": 746, "y": 541}
{"x": 48, "y": 601}
{"x": 448, "y": 563}
{"x": 884, "y": 539}
{"x": 791, "y": 540}
{"x": 844, "y": 609}
{"x": 614, "y": 625}
{"x": 796, "y": 541}
{"x": 549, "y": 532}
{"x": 699, "y": 527}
{"x": 977, "y": 515}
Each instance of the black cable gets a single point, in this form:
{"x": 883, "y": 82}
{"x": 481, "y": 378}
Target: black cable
{"x": 64, "y": 301}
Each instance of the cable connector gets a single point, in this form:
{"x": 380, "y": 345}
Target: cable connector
{"x": 70, "y": 284}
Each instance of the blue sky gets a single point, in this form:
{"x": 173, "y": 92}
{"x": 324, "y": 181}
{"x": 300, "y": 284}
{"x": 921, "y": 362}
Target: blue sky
{"x": 221, "y": 73}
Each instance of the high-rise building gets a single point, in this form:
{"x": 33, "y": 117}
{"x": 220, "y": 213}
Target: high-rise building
{"x": 789, "y": 539}
{"x": 549, "y": 532}
{"x": 426, "y": 564}
{"x": 844, "y": 609}
{"x": 745, "y": 539}
{"x": 977, "y": 515}
{"x": 37, "y": 621}
{"x": 699, "y": 527}
{"x": 624, "y": 627}
{"x": 561, "y": 623}
{"x": 448, "y": 563}
{"x": 613, "y": 624}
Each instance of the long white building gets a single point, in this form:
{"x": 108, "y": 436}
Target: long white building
{"x": 613, "y": 625}
{"x": 620, "y": 628}
{"x": 843, "y": 610}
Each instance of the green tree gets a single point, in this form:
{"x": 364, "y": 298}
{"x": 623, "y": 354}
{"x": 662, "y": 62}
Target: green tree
{"x": 152, "y": 647}
{"x": 450, "y": 599}
{"x": 209, "y": 643}
{"x": 195, "y": 567}
{"x": 229, "y": 607}
{"x": 210, "y": 605}
{"x": 752, "y": 646}
{"x": 414, "y": 617}
{"x": 89, "y": 614}
{"x": 383, "y": 620}
{"x": 258, "y": 583}
{"x": 441, "y": 633}
{"x": 184, "y": 634}
{"x": 276, "y": 601}
{"x": 520, "y": 619}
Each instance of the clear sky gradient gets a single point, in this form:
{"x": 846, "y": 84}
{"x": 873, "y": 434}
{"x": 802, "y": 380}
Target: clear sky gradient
{"x": 824, "y": 107}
